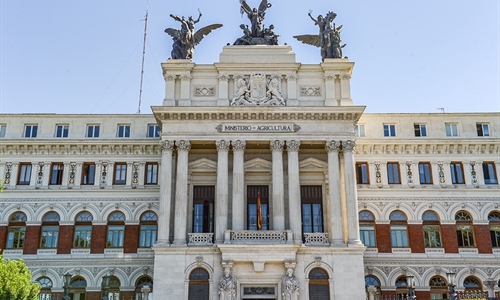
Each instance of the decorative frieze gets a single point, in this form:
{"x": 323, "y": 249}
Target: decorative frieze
{"x": 104, "y": 174}
{"x": 258, "y": 89}
{"x": 310, "y": 91}
{"x": 72, "y": 174}
{"x": 473, "y": 174}
{"x": 39, "y": 174}
{"x": 204, "y": 91}
{"x": 409, "y": 173}
{"x": 135, "y": 174}
{"x": 249, "y": 128}
{"x": 8, "y": 173}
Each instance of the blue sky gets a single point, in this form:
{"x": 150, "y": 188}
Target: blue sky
{"x": 64, "y": 56}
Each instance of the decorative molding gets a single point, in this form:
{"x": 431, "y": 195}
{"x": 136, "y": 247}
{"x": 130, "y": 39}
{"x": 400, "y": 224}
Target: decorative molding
{"x": 135, "y": 174}
{"x": 39, "y": 174}
{"x": 104, "y": 174}
{"x": 348, "y": 145}
{"x": 238, "y": 145}
{"x": 8, "y": 173}
{"x": 473, "y": 173}
{"x": 72, "y": 174}
{"x": 277, "y": 145}
{"x": 292, "y": 146}
{"x": 310, "y": 91}
{"x": 222, "y": 145}
{"x": 204, "y": 91}
{"x": 183, "y": 145}
{"x": 333, "y": 146}
{"x": 167, "y": 145}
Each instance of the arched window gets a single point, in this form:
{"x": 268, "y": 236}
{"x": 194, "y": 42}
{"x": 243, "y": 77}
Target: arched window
{"x": 17, "y": 230}
{"x": 401, "y": 288}
{"x": 399, "y": 230}
{"x": 83, "y": 230}
{"x": 465, "y": 231}
{"x": 432, "y": 229}
{"x": 46, "y": 288}
{"x": 367, "y": 229}
{"x": 494, "y": 218}
{"x": 472, "y": 284}
{"x": 318, "y": 284}
{"x": 50, "y": 230}
{"x": 149, "y": 227}
{"x": 439, "y": 288}
{"x": 198, "y": 284}
{"x": 372, "y": 281}
{"x": 77, "y": 288}
{"x": 116, "y": 230}
{"x": 114, "y": 288}
{"x": 142, "y": 282}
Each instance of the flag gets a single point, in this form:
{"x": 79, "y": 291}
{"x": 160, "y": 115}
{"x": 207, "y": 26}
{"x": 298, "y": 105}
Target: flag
{"x": 259, "y": 213}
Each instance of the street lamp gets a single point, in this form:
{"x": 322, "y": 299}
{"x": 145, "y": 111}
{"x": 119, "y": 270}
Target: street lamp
{"x": 105, "y": 287}
{"x": 410, "y": 282}
{"x": 66, "y": 285}
{"x": 451, "y": 285}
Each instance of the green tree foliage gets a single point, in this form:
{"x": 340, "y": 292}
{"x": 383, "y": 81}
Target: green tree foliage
{"x": 15, "y": 281}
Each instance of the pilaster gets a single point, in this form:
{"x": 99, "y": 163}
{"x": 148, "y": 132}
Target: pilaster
{"x": 221, "y": 205}
{"x": 223, "y": 90}
{"x": 335, "y": 222}
{"x": 351, "y": 192}
{"x": 165, "y": 191}
{"x": 181, "y": 191}
{"x": 292, "y": 147}
{"x": 238, "y": 184}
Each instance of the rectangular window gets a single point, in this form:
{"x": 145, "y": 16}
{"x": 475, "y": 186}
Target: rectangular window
{"x": 123, "y": 131}
{"x": 153, "y": 131}
{"x": 3, "y": 128}
{"x": 389, "y": 130}
{"x": 93, "y": 131}
{"x": 465, "y": 236}
{"x": 151, "y": 173}
{"x": 203, "y": 209}
{"x": 489, "y": 173}
{"x": 56, "y": 173}
{"x": 30, "y": 131}
{"x": 83, "y": 236}
{"x": 252, "y": 216}
{"x": 359, "y": 130}
{"x": 420, "y": 130}
{"x": 147, "y": 236}
{"x": 495, "y": 236}
{"x": 451, "y": 129}
{"x": 62, "y": 131}
{"x": 399, "y": 236}
{"x": 367, "y": 234}
{"x": 120, "y": 173}
{"x": 393, "y": 173}
{"x": 88, "y": 174}
{"x": 457, "y": 173}
{"x": 482, "y": 129}
{"x": 432, "y": 236}
{"x": 362, "y": 173}
{"x": 24, "y": 174}
{"x": 116, "y": 234}
{"x": 312, "y": 212}
{"x": 15, "y": 238}
{"x": 50, "y": 235}
{"x": 424, "y": 170}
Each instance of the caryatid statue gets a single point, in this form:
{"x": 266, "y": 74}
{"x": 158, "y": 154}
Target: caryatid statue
{"x": 256, "y": 35}
{"x": 186, "y": 39}
{"x": 289, "y": 285}
{"x": 227, "y": 284}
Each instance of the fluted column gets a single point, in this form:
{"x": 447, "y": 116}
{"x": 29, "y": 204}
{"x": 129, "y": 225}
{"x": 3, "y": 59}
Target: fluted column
{"x": 181, "y": 190}
{"x": 221, "y": 204}
{"x": 165, "y": 191}
{"x": 238, "y": 185}
{"x": 335, "y": 222}
{"x": 292, "y": 148}
{"x": 278, "y": 189}
{"x": 351, "y": 192}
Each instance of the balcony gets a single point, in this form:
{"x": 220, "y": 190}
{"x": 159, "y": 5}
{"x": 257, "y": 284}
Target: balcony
{"x": 316, "y": 239}
{"x": 201, "y": 239}
{"x": 258, "y": 237}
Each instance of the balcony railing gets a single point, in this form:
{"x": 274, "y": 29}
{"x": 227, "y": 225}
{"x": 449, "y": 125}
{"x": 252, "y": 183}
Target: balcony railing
{"x": 316, "y": 239}
{"x": 201, "y": 239}
{"x": 258, "y": 237}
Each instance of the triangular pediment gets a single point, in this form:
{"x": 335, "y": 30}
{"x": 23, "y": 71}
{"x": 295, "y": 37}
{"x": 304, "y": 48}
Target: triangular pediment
{"x": 258, "y": 165}
{"x": 313, "y": 165}
{"x": 203, "y": 165}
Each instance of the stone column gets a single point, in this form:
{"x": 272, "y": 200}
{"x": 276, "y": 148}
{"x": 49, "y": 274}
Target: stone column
{"x": 278, "y": 188}
{"x": 238, "y": 184}
{"x": 78, "y": 174}
{"x": 372, "y": 290}
{"x": 480, "y": 173}
{"x": 292, "y": 148}
{"x": 221, "y": 201}
{"x": 128, "y": 176}
{"x": 181, "y": 191}
{"x": 165, "y": 192}
{"x": 351, "y": 192}
{"x": 335, "y": 222}
{"x": 185, "y": 90}
{"x": 97, "y": 174}
{"x": 34, "y": 174}
{"x": 490, "y": 284}
{"x": 223, "y": 90}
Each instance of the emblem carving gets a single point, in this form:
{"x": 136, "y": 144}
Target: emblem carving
{"x": 258, "y": 90}
{"x": 310, "y": 91}
{"x": 204, "y": 91}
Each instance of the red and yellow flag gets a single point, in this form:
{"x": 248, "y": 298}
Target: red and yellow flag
{"x": 259, "y": 213}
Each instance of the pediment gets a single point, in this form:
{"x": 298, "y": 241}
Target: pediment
{"x": 258, "y": 165}
{"x": 203, "y": 165}
{"x": 312, "y": 165}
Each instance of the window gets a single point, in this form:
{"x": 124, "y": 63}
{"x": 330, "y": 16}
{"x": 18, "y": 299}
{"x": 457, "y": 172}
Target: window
{"x": 451, "y": 129}
{"x": 116, "y": 230}
{"x": 88, "y": 174}
{"x": 16, "y": 231}
{"x": 151, "y": 173}
{"x": 457, "y": 173}
{"x": 362, "y": 175}
{"x": 319, "y": 284}
{"x": 465, "y": 232}
{"x": 393, "y": 173}
{"x": 253, "y": 193}
{"x": 77, "y": 288}
{"x": 367, "y": 229}
{"x": 472, "y": 284}
{"x": 424, "y": 170}
{"x": 203, "y": 209}
{"x": 482, "y": 129}
{"x": 114, "y": 288}
{"x": 401, "y": 288}
{"x": 123, "y": 131}
{"x": 389, "y": 130}
{"x": 62, "y": 131}
{"x": 432, "y": 229}
{"x": 120, "y": 173}
{"x": 56, "y": 173}
{"x": 3, "y": 128}
{"x": 198, "y": 284}
{"x": 420, "y": 130}
{"x": 149, "y": 227}
{"x": 83, "y": 230}
{"x": 50, "y": 230}
{"x": 24, "y": 174}
{"x": 140, "y": 283}
{"x": 494, "y": 218}
{"x": 399, "y": 232}
{"x": 359, "y": 130}
{"x": 93, "y": 131}
{"x": 372, "y": 281}
{"x": 312, "y": 212}
{"x": 439, "y": 288}
{"x": 30, "y": 131}
{"x": 489, "y": 173}
{"x": 153, "y": 131}
{"x": 46, "y": 288}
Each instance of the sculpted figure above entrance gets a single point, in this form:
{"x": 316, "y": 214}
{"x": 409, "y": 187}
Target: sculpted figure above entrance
{"x": 258, "y": 90}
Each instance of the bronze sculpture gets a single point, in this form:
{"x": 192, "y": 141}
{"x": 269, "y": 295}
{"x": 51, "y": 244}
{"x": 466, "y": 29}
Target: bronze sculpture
{"x": 256, "y": 34}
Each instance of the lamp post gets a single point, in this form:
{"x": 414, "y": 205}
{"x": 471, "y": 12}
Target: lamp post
{"x": 410, "y": 282}
{"x": 105, "y": 287}
{"x": 66, "y": 285}
{"x": 451, "y": 285}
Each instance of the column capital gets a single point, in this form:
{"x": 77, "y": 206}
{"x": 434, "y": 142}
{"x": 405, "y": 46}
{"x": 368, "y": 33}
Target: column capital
{"x": 277, "y": 145}
{"x": 348, "y": 145}
{"x": 183, "y": 145}
{"x": 238, "y": 145}
{"x": 167, "y": 145}
{"x": 292, "y": 146}
{"x": 345, "y": 77}
{"x": 222, "y": 77}
{"x": 332, "y": 146}
{"x": 222, "y": 145}
{"x": 186, "y": 77}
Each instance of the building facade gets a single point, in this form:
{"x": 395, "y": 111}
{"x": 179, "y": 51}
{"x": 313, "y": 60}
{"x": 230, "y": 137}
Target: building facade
{"x": 258, "y": 177}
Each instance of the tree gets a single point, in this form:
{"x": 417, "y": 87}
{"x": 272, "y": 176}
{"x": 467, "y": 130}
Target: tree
{"x": 15, "y": 281}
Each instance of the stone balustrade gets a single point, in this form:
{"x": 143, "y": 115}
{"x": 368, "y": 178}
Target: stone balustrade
{"x": 200, "y": 239}
{"x": 316, "y": 238}
{"x": 258, "y": 237}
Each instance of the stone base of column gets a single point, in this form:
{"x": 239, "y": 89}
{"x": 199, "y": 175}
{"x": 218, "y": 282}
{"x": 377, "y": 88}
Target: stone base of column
{"x": 338, "y": 243}
{"x": 179, "y": 243}
{"x": 355, "y": 243}
{"x": 161, "y": 244}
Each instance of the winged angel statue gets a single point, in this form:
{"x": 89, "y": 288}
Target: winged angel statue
{"x": 328, "y": 39}
{"x": 256, "y": 35}
{"x": 186, "y": 39}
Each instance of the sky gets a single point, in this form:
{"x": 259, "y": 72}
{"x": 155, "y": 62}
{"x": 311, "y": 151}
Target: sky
{"x": 84, "y": 57}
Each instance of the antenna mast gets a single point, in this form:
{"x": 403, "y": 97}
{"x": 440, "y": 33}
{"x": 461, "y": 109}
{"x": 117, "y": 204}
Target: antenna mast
{"x": 143, "y": 55}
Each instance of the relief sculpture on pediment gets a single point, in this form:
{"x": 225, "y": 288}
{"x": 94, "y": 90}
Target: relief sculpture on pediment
{"x": 258, "y": 89}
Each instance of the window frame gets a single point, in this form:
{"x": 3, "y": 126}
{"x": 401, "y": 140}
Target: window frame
{"x": 392, "y": 175}
{"x": 148, "y": 229}
{"x": 62, "y": 131}
{"x": 3, "y": 130}
{"x": 120, "y": 178}
{"x": 489, "y": 172}
{"x": 483, "y": 129}
{"x": 95, "y": 129}
{"x": 156, "y": 131}
{"x": 362, "y": 177}
{"x": 420, "y": 129}
{"x": 312, "y": 201}
{"x": 148, "y": 179}
{"x": 115, "y": 230}
{"x": 33, "y": 130}
{"x": 57, "y": 179}
{"x": 360, "y": 130}
{"x": 252, "y": 193}
{"x": 425, "y": 169}
{"x": 400, "y": 237}
{"x": 27, "y": 174}
{"x": 85, "y": 173}
{"x": 83, "y": 223}
{"x": 451, "y": 129}
{"x": 494, "y": 226}
{"x": 123, "y": 130}
{"x": 465, "y": 230}
{"x": 457, "y": 168}
{"x": 389, "y": 130}
{"x": 366, "y": 221}
{"x": 50, "y": 224}
{"x": 16, "y": 230}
